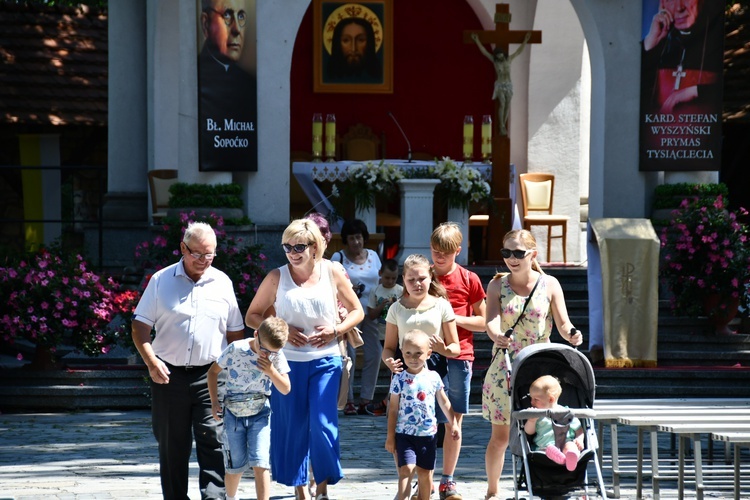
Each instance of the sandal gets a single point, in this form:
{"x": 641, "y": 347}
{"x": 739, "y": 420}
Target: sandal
{"x": 350, "y": 409}
{"x": 322, "y": 496}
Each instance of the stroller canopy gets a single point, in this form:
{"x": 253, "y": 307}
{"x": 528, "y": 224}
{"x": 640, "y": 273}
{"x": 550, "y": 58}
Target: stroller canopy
{"x": 568, "y": 365}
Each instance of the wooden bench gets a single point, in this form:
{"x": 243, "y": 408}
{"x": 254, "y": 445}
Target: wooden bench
{"x": 671, "y": 410}
{"x": 694, "y": 431}
{"x": 738, "y": 439}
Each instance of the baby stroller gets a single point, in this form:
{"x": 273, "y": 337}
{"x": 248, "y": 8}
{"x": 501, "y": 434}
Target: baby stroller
{"x": 541, "y": 476}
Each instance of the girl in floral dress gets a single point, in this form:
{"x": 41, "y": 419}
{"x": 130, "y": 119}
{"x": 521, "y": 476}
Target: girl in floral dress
{"x": 506, "y": 295}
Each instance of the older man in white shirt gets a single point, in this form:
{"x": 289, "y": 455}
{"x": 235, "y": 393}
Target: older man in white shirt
{"x": 193, "y": 310}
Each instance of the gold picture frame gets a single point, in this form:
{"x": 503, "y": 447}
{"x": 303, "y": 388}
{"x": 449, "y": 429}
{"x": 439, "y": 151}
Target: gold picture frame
{"x": 353, "y": 46}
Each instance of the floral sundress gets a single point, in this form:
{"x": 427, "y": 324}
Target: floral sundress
{"x": 535, "y": 327}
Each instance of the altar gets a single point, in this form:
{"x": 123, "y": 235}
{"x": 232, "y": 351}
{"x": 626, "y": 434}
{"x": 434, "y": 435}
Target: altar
{"x": 416, "y": 206}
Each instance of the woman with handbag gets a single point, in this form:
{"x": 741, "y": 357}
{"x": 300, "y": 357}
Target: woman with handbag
{"x": 520, "y": 308}
{"x": 304, "y": 423}
{"x": 362, "y": 265}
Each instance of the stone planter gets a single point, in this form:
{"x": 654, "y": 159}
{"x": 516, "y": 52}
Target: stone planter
{"x": 226, "y": 213}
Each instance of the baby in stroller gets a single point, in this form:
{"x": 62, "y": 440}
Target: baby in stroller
{"x": 561, "y": 440}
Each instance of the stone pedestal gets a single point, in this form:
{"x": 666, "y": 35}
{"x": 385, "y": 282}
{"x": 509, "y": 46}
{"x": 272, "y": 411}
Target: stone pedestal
{"x": 461, "y": 217}
{"x": 416, "y": 216}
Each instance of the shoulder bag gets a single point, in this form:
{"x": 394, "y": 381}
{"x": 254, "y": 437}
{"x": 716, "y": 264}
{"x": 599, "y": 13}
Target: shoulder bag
{"x": 510, "y": 330}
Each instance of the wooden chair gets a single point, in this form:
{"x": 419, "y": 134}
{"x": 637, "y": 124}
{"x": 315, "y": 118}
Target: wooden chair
{"x": 537, "y": 193}
{"x": 423, "y": 156}
{"x": 359, "y": 143}
{"x": 159, "y": 181}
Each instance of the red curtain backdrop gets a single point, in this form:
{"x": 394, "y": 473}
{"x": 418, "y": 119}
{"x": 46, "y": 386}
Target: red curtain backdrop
{"x": 437, "y": 80}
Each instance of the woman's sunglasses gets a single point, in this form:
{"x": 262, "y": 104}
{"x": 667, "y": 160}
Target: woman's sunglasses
{"x": 298, "y": 248}
{"x": 518, "y": 254}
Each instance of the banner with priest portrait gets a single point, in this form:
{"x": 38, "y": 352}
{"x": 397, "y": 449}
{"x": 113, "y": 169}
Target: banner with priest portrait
{"x": 227, "y": 83}
{"x": 681, "y": 85}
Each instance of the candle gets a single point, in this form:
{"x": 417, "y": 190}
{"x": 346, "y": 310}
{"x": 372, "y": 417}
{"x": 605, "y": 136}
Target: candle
{"x": 317, "y": 136}
{"x": 486, "y": 138}
{"x": 330, "y": 137}
{"x": 468, "y": 137}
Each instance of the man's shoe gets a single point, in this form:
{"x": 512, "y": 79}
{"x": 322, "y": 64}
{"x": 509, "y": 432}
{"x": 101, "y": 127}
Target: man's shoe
{"x": 350, "y": 409}
{"x": 448, "y": 491}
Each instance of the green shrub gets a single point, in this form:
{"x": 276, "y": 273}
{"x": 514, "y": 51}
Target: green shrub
{"x": 184, "y": 195}
{"x": 671, "y": 195}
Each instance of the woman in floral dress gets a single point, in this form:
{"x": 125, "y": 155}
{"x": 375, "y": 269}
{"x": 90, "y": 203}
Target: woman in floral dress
{"x": 506, "y": 295}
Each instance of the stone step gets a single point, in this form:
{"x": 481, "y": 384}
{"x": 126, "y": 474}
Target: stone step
{"x": 692, "y": 362}
{"x": 695, "y": 381}
{"x": 113, "y": 387}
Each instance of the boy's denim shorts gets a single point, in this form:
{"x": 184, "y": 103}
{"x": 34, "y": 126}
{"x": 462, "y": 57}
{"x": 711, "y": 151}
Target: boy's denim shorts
{"x": 458, "y": 387}
{"x": 247, "y": 441}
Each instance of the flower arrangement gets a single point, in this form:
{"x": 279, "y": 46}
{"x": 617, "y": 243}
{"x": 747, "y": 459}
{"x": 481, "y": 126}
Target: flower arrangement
{"x": 705, "y": 252}
{"x": 364, "y": 181}
{"x": 243, "y": 263}
{"x": 51, "y": 299}
{"x": 460, "y": 185}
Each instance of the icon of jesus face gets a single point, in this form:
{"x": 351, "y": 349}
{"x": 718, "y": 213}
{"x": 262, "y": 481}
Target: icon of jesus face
{"x": 354, "y": 44}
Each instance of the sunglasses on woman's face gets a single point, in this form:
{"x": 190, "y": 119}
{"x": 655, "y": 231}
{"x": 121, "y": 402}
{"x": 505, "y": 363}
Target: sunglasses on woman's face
{"x": 298, "y": 248}
{"x": 518, "y": 254}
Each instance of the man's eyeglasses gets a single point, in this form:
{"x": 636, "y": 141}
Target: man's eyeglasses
{"x": 518, "y": 254}
{"x": 298, "y": 248}
{"x": 229, "y": 14}
{"x": 272, "y": 355}
{"x": 200, "y": 256}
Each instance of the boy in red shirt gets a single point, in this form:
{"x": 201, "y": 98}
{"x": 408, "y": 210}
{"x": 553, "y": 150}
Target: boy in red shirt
{"x": 466, "y": 295}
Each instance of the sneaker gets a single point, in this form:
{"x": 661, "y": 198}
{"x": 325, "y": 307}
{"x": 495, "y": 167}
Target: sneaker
{"x": 350, "y": 409}
{"x": 375, "y": 409}
{"x": 448, "y": 491}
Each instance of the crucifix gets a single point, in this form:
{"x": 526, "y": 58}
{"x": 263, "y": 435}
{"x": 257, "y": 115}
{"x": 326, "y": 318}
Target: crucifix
{"x": 679, "y": 73}
{"x": 501, "y": 222}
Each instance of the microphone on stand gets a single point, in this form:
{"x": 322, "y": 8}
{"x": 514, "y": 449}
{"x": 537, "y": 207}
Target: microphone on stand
{"x": 408, "y": 144}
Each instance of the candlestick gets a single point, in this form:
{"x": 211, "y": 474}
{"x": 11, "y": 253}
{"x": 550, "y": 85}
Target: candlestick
{"x": 468, "y": 138}
{"x": 317, "y": 136}
{"x": 487, "y": 138}
{"x": 331, "y": 137}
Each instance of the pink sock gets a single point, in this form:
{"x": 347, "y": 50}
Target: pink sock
{"x": 571, "y": 459}
{"x": 554, "y": 454}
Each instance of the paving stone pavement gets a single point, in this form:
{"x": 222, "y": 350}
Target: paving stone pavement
{"x": 113, "y": 455}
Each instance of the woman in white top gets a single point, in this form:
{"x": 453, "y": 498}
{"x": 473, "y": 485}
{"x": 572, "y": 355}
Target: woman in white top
{"x": 363, "y": 267}
{"x": 304, "y": 423}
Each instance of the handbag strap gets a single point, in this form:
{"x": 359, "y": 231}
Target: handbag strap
{"x": 334, "y": 290}
{"x": 520, "y": 316}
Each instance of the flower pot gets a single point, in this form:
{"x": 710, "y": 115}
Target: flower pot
{"x": 721, "y": 311}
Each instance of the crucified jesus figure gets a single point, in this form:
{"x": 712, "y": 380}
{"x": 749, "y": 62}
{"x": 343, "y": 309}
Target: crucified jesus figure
{"x": 503, "y": 86}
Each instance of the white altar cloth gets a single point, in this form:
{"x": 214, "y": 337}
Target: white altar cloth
{"x": 308, "y": 173}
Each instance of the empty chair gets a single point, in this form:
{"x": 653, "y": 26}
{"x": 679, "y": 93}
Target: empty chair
{"x": 359, "y": 143}
{"x": 537, "y": 192}
{"x": 159, "y": 181}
